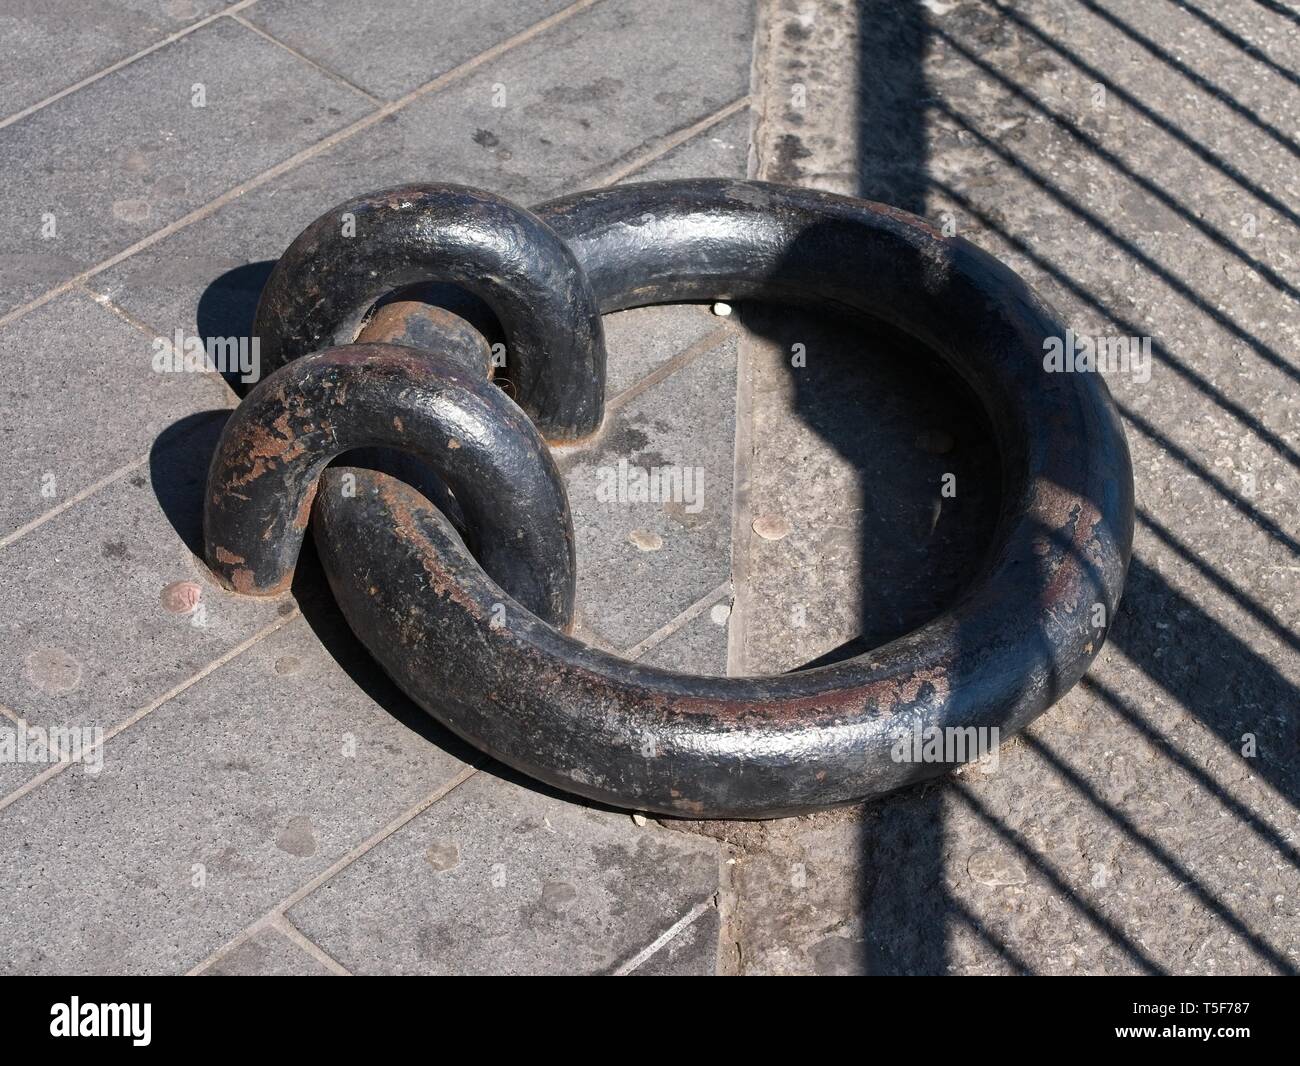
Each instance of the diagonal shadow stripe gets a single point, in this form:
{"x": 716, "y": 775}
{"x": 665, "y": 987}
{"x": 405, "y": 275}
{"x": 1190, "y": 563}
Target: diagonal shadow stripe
{"x": 1166, "y": 357}
{"x": 1158, "y": 740}
{"x": 1211, "y": 673}
{"x": 1106, "y": 230}
{"x": 1102, "y": 923}
{"x": 1211, "y": 232}
{"x": 1185, "y": 876}
{"x": 1238, "y": 41}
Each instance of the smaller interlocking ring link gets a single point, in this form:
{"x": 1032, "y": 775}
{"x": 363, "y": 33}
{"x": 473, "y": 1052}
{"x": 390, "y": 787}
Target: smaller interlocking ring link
{"x": 325, "y": 284}
{"x": 472, "y": 622}
{"x": 276, "y": 445}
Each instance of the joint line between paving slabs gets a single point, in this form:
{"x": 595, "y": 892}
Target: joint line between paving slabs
{"x": 292, "y": 933}
{"x": 57, "y": 510}
{"x": 333, "y": 74}
{"x": 120, "y": 472}
{"x": 668, "y": 935}
{"x": 743, "y": 461}
{"x": 106, "y": 302}
{"x": 661, "y": 146}
{"x": 310, "y": 152}
{"x": 113, "y": 67}
{"x": 666, "y": 370}
{"x": 741, "y": 513}
{"x": 141, "y": 326}
{"x": 271, "y": 917}
{"x": 673, "y": 625}
{"x": 756, "y": 164}
{"x": 148, "y": 708}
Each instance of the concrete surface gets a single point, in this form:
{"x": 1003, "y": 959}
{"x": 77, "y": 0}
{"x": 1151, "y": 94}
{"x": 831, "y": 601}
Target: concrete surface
{"x": 1136, "y": 163}
{"x": 258, "y": 798}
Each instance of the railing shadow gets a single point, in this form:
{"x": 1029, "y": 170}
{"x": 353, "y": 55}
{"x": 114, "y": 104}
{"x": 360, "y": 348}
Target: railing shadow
{"x": 1230, "y": 687}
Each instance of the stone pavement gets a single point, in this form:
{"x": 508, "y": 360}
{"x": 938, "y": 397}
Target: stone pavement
{"x": 264, "y": 801}
{"x": 257, "y": 798}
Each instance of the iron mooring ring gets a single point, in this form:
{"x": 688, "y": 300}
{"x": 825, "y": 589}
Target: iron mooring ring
{"x": 481, "y": 646}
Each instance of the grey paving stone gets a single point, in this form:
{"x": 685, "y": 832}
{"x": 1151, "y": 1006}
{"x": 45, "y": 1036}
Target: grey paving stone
{"x": 18, "y": 768}
{"x": 692, "y": 953}
{"x": 29, "y": 749}
{"x": 268, "y": 953}
{"x": 82, "y": 610}
{"x": 640, "y": 563}
{"x": 210, "y": 811}
{"x": 130, "y": 153}
{"x": 13, "y": 772}
{"x": 550, "y": 137}
{"x": 699, "y": 647}
{"x": 84, "y": 400}
{"x": 644, "y": 338}
{"x": 501, "y": 878}
{"x": 402, "y": 45}
{"x": 850, "y": 451}
{"x": 596, "y": 91}
{"x": 49, "y": 47}
{"x": 721, "y": 151}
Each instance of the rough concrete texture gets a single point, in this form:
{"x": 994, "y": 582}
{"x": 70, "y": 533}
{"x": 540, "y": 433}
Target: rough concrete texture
{"x": 1136, "y": 163}
{"x": 266, "y": 801}
{"x": 253, "y": 768}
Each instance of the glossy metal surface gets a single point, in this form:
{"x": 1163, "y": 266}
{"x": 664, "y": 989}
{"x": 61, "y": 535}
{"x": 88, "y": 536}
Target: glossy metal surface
{"x": 520, "y": 689}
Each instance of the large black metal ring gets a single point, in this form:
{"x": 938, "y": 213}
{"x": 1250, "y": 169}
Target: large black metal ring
{"x": 1019, "y": 637}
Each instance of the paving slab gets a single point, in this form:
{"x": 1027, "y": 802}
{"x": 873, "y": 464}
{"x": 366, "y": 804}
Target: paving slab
{"x": 691, "y": 953}
{"x": 651, "y": 501}
{"x": 720, "y": 151}
{"x": 73, "y": 370}
{"x": 49, "y": 47}
{"x": 94, "y": 614}
{"x": 641, "y": 340}
{"x": 699, "y": 646}
{"x": 602, "y": 88}
{"x": 207, "y": 277}
{"x": 406, "y": 44}
{"x": 500, "y": 878}
{"x": 268, "y": 953}
{"x": 103, "y": 167}
{"x": 212, "y": 810}
{"x": 19, "y": 765}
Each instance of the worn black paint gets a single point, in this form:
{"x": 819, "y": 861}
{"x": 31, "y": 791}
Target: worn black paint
{"x": 275, "y": 447}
